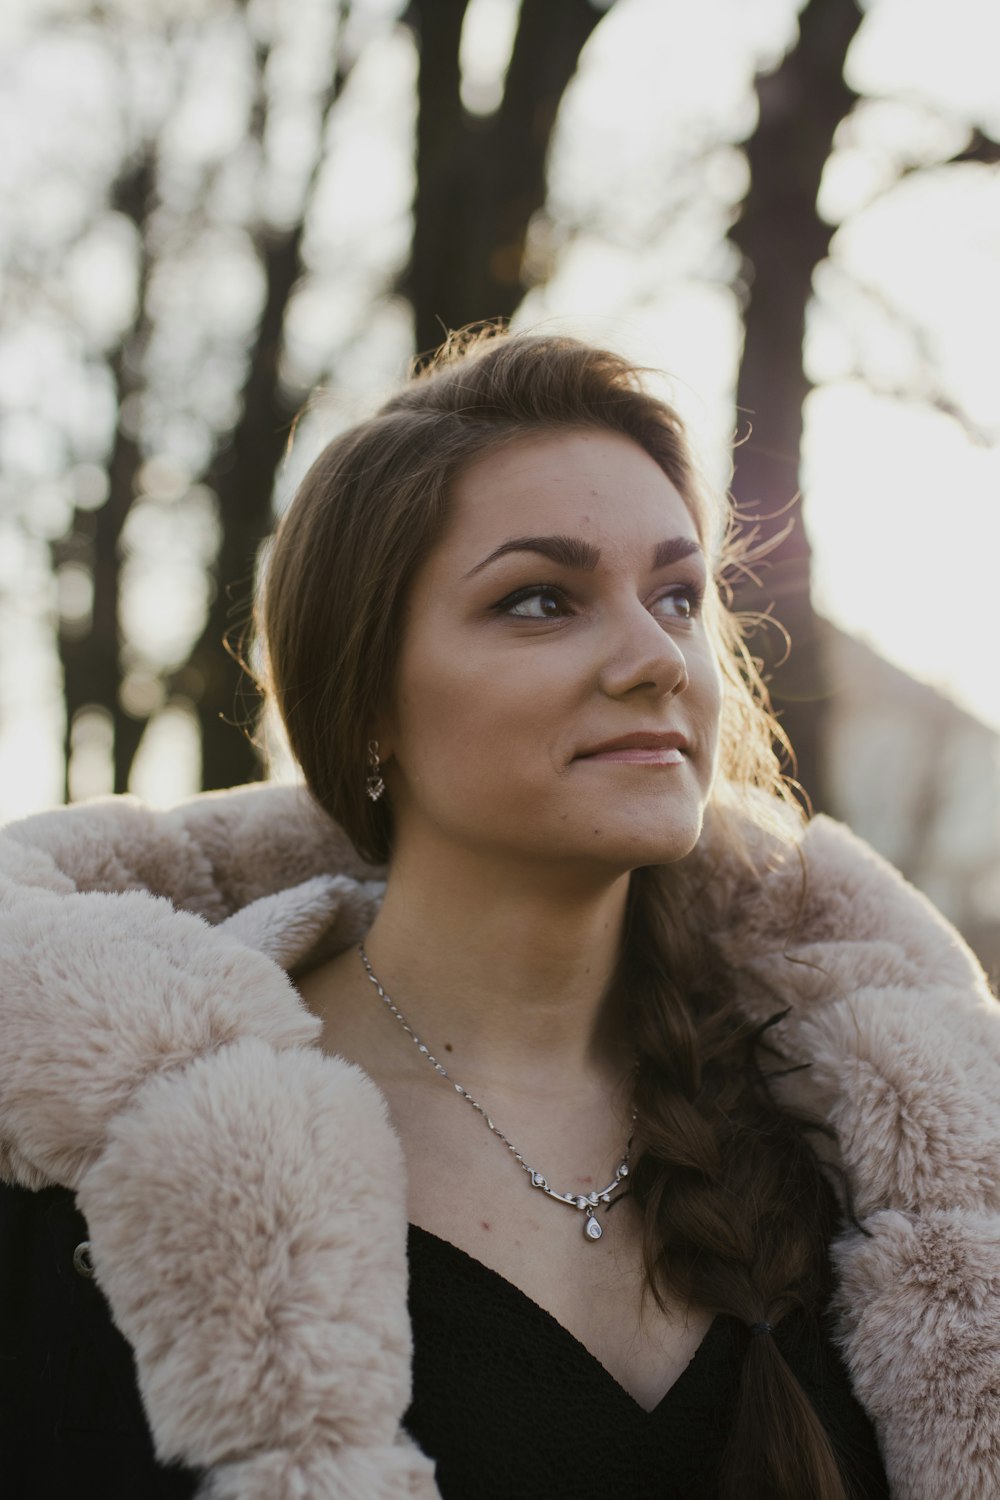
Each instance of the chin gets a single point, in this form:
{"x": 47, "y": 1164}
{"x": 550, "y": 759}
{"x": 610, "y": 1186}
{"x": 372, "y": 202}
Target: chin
{"x": 622, "y": 845}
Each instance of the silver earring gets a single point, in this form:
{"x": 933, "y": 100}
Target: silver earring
{"x": 374, "y": 785}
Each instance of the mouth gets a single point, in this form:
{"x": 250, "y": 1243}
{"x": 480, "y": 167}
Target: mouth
{"x": 645, "y": 748}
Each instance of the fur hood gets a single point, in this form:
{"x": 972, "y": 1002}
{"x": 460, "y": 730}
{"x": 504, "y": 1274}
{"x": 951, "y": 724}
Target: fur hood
{"x": 245, "y": 1194}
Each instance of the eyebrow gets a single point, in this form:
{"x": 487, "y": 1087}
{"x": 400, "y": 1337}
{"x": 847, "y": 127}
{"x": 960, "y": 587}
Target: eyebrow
{"x": 573, "y": 552}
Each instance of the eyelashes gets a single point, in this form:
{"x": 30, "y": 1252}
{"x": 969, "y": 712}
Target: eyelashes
{"x": 507, "y": 605}
{"x": 692, "y": 594}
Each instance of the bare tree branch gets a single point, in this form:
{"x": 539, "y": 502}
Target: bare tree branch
{"x": 925, "y": 388}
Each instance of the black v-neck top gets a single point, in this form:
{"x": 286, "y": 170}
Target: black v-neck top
{"x": 510, "y": 1404}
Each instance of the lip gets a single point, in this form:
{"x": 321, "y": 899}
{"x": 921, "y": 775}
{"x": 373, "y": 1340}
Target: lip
{"x": 648, "y": 747}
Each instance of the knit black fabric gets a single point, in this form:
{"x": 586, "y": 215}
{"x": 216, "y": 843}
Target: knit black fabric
{"x": 512, "y": 1407}
{"x": 506, "y": 1400}
{"x": 72, "y": 1425}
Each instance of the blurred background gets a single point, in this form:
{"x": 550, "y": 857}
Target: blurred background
{"x": 227, "y": 225}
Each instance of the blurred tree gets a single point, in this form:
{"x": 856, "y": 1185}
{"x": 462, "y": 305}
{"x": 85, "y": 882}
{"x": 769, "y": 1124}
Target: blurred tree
{"x": 782, "y": 239}
{"x": 238, "y": 476}
{"x": 91, "y": 657}
{"x": 242, "y": 471}
{"x": 481, "y": 180}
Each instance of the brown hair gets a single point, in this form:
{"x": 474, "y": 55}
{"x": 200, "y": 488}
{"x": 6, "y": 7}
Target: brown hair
{"x": 737, "y": 1213}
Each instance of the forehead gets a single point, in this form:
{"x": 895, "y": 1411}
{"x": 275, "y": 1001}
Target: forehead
{"x": 597, "y": 485}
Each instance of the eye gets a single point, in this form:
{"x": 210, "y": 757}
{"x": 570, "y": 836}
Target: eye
{"x": 685, "y": 600}
{"x": 541, "y": 601}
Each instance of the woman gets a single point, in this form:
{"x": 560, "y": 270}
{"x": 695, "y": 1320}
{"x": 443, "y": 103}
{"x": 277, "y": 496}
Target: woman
{"x": 695, "y": 1172}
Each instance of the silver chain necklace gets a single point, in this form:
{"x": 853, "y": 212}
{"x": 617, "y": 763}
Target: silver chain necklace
{"x": 587, "y": 1203}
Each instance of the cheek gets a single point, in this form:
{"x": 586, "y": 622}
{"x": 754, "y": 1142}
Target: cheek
{"x": 467, "y": 718}
{"x": 702, "y": 709}
{"x": 710, "y": 678}
{"x": 713, "y": 714}
{"x": 716, "y": 696}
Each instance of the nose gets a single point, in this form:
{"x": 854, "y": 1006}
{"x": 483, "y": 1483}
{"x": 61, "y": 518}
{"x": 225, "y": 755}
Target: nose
{"x": 643, "y": 658}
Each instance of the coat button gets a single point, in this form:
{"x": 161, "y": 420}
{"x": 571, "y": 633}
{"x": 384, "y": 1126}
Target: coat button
{"x": 82, "y": 1263}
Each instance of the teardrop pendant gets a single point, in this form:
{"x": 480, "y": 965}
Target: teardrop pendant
{"x": 592, "y": 1229}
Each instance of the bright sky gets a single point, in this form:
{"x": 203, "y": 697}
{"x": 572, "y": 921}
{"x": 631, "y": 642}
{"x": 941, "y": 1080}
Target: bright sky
{"x": 893, "y": 487}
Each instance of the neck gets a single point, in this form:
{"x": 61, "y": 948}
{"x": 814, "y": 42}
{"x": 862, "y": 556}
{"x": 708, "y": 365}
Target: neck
{"x": 508, "y": 975}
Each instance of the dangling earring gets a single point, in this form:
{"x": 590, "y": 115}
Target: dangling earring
{"x": 374, "y": 785}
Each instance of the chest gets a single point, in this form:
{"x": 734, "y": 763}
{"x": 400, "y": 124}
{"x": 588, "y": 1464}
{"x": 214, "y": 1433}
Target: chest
{"x": 466, "y": 1187}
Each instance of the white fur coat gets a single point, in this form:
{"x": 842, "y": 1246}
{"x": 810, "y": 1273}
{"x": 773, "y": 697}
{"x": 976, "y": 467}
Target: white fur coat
{"x": 245, "y": 1195}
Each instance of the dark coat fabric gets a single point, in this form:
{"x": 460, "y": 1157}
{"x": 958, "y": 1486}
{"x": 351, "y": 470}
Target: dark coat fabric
{"x": 71, "y": 1420}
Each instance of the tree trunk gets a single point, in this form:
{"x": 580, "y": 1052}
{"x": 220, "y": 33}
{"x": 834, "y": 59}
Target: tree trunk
{"x": 480, "y": 181}
{"x": 782, "y": 239}
{"x": 91, "y": 661}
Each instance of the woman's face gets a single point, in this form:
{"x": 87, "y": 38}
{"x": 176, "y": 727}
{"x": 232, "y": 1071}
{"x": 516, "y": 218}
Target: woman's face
{"x": 559, "y": 613}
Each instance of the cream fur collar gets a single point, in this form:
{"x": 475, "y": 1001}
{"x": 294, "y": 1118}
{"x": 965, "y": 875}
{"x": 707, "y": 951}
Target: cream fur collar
{"x": 245, "y": 1194}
